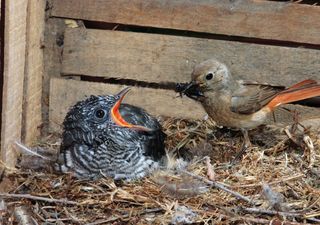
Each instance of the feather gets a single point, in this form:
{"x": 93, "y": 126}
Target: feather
{"x": 29, "y": 151}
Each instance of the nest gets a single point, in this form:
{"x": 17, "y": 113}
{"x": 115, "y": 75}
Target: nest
{"x": 276, "y": 181}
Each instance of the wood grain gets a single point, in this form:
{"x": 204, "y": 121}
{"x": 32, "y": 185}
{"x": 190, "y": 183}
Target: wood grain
{"x": 65, "y": 93}
{"x": 52, "y": 54}
{"x": 14, "y": 64}
{"x": 164, "y": 58}
{"x": 248, "y": 18}
{"x": 32, "y": 118}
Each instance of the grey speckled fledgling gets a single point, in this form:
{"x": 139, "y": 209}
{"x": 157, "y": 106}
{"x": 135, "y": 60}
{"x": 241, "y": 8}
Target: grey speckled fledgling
{"x": 103, "y": 137}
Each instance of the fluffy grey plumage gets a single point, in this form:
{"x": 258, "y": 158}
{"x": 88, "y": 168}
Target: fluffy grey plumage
{"x": 94, "y": 145}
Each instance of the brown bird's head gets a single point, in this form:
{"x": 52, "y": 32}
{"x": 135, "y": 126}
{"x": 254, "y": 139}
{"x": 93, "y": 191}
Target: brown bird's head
{"x": 210, "y": 75}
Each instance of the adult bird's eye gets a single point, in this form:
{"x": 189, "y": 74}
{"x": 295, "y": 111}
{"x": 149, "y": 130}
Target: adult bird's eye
{"x": 100, "y": 113}
{"x": 209, "y": 76}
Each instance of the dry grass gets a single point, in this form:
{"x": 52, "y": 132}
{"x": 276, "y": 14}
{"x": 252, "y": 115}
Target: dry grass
{"x": 281, "y": 162}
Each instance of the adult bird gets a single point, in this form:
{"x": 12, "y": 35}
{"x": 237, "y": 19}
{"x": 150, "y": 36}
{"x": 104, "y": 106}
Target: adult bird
{"x": 103, "y": 137}
{"x": 240, "y": 104}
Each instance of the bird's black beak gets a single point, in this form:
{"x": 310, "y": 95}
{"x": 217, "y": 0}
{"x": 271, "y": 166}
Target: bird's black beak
{"x": 116, "y": 116}
{"x": 191, "y": 89}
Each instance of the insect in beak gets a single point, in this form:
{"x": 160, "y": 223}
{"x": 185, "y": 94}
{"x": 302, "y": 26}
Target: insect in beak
{"x": 116, "y": 116}
{"x": 190, "y": 89}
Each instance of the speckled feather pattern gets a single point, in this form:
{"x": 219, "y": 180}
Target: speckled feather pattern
{"x": 93, "y": 147}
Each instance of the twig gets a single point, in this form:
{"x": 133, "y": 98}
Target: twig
{"x": 279, "y": 147}
{"x": 314, "y": 220}
{"x": 210, "y": 170}
{"x": 281, "y": 213}
{"x": 312, "y": 170}
{"x": 73, "y": 217}
{"x": 38, "y": 198}
{"x": 297, "y": 176}
{"x": 266, "y": 221}
{"x": 219, "y": 186}
{"x": 288, "y": 133}
{"x": 109, "y": 220}
{"x": 271, "y": 212}
{"x": 310, "y": 147}
{"x": 233, "y": 217}
{"x": 125, "y": 216}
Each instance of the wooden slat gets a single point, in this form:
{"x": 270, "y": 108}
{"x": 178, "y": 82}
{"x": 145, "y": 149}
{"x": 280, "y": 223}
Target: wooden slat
{"x": 53, "y": 40}
{"x": 32, "y": 118}
{"x": 249, "y": 18}
{"x": 161, "y": 58}
{"x": 14, "y": 63}
{"x": 65, "y": 93}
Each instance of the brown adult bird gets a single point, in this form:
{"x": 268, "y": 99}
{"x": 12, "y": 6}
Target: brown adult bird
{"x": 103, "y": 137}
{"x": 240, "y": 104}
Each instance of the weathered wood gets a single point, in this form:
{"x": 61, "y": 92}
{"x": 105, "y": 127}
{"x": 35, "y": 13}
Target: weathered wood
{"x": 65, "y": 93}
{"x": 53, "y": 46}
{"x": 14, "y": 63}
{"x": 33, "y": 72}
{"x": 162, "y": 58}
{"x": 249, "y": 18}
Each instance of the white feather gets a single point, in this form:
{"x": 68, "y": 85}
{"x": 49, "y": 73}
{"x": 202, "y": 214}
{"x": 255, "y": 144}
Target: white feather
{"x": 29, "y": 151}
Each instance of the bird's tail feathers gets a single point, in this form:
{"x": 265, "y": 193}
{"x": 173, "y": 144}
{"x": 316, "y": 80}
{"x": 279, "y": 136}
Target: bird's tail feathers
{"x": 301, "y": 84}
{"x": 300, "y": 91}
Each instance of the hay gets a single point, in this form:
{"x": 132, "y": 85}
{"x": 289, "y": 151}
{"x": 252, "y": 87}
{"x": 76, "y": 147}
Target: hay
{"x": 280, "y": 173}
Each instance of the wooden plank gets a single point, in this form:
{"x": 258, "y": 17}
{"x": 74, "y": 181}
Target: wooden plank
{"x": 65, "y": 93}
{"x": 52, "y": 54}
{"x": 33, "y": 72}
{"x": 14, "y": 63}
{"x": 164, "y": 58}
{"x": 249, "y": 18}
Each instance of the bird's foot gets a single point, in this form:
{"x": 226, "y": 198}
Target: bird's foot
{"x": 245, "y": 146}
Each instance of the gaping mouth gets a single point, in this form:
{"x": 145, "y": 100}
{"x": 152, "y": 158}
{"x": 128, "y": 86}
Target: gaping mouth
{"x": 116, "y": 116}
{"x": 191, "y": 89}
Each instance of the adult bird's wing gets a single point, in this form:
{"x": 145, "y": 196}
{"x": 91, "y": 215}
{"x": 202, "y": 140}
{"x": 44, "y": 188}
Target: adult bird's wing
{"x": 250, "y": 97}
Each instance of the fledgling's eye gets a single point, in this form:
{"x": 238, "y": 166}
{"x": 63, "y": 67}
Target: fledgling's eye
{"x": 209, "y": 76}
{"x": 100, "y": 113}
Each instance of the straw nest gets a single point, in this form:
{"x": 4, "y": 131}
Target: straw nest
{"x": 275, "y": 182}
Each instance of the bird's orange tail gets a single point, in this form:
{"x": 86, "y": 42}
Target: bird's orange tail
{"x": 303, "y": 83}
{"x": 300, "y": 91}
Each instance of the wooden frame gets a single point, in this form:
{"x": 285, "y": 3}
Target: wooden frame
{"x": 22, "y": 84}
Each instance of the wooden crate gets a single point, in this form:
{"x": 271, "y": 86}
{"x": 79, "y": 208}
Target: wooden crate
{"x": 159, "y": 42}
{"x": 85, "y": 47}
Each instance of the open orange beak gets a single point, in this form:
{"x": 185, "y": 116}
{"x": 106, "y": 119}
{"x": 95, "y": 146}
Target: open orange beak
{"x": 118, "y": 119}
